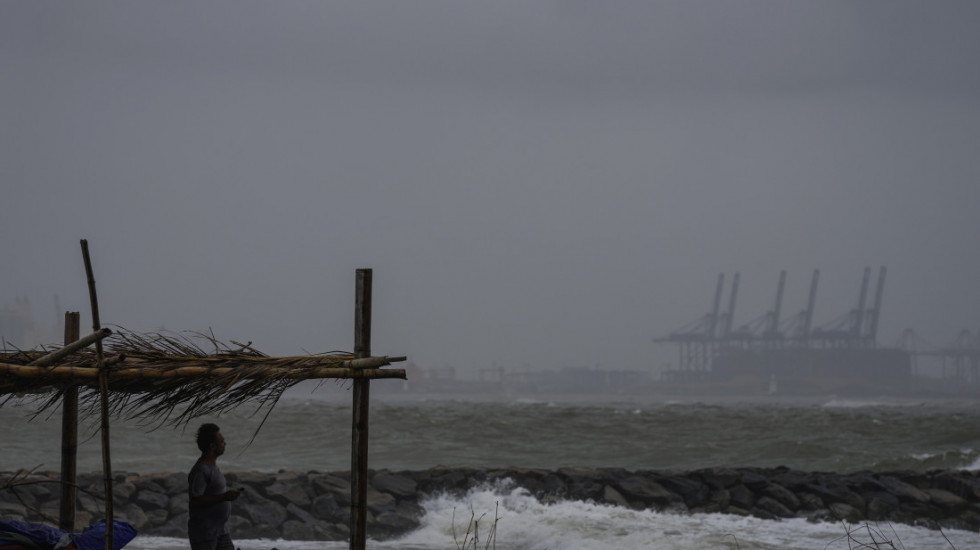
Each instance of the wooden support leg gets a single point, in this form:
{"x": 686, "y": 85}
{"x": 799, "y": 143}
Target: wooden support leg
{"x": 69, "y": 436}
{"x": 362, "y": 393}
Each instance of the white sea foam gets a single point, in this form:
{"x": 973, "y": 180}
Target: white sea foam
{"x": 922, "y": 457}
{"x": 882, "y": 401}
{"x": 973, "y": 466}
{"x": 835, "y": 403}
{"x": 970, "y": 458}
{"x": 525, "y": 523}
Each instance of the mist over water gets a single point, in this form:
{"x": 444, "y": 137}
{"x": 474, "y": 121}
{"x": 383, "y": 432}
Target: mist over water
{"x": 312, "y": 432}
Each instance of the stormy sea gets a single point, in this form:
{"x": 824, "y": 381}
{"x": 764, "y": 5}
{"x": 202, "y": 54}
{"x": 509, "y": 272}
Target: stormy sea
{"x": 310, "y": 430}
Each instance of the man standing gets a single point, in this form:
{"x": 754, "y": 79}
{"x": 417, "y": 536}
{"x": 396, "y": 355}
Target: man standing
{"x": 210, "y": 501}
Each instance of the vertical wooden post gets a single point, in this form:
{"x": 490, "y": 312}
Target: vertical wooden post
{"x": 104, "y": 398}
{"x": 69, "y": 436}
{"x": 362, "y": 394}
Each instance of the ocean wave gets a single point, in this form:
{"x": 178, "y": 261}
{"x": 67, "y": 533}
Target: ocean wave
{"x": 835, "y": 403}
{"x": 838, "y": 435}
{"x": 974, "y": 464}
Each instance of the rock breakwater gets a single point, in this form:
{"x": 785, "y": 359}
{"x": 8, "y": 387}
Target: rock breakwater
{"x": 315, "y": 505}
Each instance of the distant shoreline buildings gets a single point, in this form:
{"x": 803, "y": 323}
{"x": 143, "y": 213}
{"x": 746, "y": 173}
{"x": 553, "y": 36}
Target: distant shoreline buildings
{"x": 18, "y": 328}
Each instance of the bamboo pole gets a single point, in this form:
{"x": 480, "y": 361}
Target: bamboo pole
{"x": 70, "y": 348}
{"x": 104, "y": 398}
{"x": 359, "y": 431}
{"x": 155, "y": 373}
{"x": 298, "y": 363}
{"x": 69, "y": 436}
{"x": 159, "y": 360}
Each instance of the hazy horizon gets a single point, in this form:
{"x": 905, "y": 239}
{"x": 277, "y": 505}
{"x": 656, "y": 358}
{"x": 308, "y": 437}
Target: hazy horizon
{"x": 539, "y": 184}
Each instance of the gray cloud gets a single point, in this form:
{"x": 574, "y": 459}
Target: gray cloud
{"x": 543, "y": 184}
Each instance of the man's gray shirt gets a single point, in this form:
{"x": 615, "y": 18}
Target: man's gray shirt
{"x": 207, "y": 522}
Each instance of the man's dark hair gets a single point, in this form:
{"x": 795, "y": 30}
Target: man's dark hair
{"x": 206, "y": 435}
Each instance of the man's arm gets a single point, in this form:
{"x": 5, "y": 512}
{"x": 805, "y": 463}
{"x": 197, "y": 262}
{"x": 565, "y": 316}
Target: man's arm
{"x": 208, "y": 500}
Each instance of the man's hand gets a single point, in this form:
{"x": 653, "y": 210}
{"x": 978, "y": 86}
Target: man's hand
{"x": 234, "y": 494}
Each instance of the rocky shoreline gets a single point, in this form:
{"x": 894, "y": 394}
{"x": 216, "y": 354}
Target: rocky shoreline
{"x": 315, "y": 505}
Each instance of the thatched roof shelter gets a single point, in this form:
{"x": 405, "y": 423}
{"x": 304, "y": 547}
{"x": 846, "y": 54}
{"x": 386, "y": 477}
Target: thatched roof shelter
{"x": 174, "y": 378}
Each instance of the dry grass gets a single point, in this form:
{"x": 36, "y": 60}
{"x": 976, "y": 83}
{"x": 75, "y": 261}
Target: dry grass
{"x": 872, "y": 537}
{"x": 471, "y": 537}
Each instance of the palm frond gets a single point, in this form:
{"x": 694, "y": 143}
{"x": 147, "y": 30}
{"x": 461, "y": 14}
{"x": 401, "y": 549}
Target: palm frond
{"x": 173, "y": 378}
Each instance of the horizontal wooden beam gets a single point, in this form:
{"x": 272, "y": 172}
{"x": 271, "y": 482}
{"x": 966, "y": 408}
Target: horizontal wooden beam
{"x": 71, "y": 348}
{"x": 244, "y": 373}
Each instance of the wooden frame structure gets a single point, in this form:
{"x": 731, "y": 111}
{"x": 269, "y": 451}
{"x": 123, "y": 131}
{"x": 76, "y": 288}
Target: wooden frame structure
{"x": 165, "y": 381}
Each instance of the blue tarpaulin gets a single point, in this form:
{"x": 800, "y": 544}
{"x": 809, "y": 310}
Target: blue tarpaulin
{"x": 45, "y": 537}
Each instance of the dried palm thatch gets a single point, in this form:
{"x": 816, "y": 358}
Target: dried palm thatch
{"x": 172, "y": 378}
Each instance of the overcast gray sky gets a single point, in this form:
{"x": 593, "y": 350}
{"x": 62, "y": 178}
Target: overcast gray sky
{"x": 539, "y": 184}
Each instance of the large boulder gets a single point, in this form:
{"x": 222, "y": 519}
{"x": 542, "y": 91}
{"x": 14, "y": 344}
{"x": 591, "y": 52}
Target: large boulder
{"x": 175, "y": 484}
{"x": 156, "y": 518}
{"x": 388, "y": 524}
{"x": 782, "y": 495}
{"x": 133, "y": 514}
{"x": 845, "y": 512}
{"x": 646, "y": 490}
{"x": 881, "y": 505}
{"x": 289, "y": 491}
{"x": 904, "y": 491}
{"x": 327, "y": 508}
{"x": 741, "y": 497}
{"x": 152, "y": 500}
{"x": 122, "y": 492}
{"x": 330, "y": 483}
{"x": 719, "y": 478}
{"x": 300, "y": 514}
{"x": 946, "y": 500}
{"x": 264, "y": 512}
{"x": 965, "y": 485}
{"x": 774, "y": 507}
{"x": 692, "y": 491}
{"x": 297, "y": 530}
{"x": 611, "y": 496}
{"x": 582, "y": 483}
{"x": 379, "y": 502}
{"x": 399, "y": 486}
{"x": 238, "y": 526}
